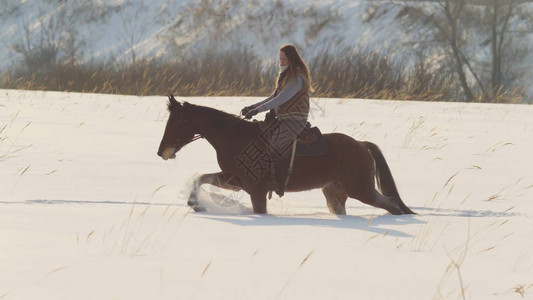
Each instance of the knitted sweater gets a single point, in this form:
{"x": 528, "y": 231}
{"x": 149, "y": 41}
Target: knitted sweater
{"x": 287, "y": 93}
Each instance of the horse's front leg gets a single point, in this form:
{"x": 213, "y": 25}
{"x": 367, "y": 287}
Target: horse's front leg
{"x": 222, "y": 180}
{"x": 259, "y": 201}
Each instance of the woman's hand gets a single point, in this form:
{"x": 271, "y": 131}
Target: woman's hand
{"x": 246, "y": 109}
{"x": 251, "y": 113}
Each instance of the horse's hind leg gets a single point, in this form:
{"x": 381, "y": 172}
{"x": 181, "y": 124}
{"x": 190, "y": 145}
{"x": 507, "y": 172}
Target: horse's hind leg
{"x": 222, "y": 180}
{"x": 336, "y": 198}
{"x": 391, "y": 204}
{"x": 374, "y": 198}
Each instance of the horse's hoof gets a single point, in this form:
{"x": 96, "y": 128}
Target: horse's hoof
{"x": 192, "y": 202}
{"x": 199, "y": 208}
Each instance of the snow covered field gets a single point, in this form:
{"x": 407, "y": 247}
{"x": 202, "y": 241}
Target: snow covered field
{"x": 89, "y": 211}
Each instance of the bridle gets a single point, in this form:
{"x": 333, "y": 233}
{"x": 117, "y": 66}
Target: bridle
{"x": 195, "y": 137}
{"x": 180, "y": 145}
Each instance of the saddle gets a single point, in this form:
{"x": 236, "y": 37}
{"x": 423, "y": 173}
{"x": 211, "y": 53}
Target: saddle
{"x": 311, "y": 142}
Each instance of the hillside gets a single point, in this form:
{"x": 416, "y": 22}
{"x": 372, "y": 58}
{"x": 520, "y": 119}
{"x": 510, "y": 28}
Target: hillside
{"x": 125, "y": 31}
{"x": 113, "y": 29}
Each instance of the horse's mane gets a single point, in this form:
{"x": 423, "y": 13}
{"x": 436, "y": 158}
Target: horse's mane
{"x": 215, "y": 114}
{"x": 224, "y": 119}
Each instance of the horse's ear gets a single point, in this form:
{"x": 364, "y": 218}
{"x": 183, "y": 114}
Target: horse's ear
{"x": 173, "y": 103}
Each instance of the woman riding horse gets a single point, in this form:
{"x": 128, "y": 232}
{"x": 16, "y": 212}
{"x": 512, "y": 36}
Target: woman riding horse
{"x": 349, "y": 169}
{"x": 290, "y": 105}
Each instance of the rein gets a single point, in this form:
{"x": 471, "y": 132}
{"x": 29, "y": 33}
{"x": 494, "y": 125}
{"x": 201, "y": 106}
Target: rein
{"x": 194, "y": 138}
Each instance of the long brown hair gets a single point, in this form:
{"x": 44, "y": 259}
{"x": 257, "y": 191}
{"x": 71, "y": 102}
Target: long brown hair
{"x": 296, "y": 66}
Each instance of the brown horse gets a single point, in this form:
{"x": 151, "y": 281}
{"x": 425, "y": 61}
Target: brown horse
{"x": 347, "y": 170}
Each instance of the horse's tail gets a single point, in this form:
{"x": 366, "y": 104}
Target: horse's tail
{"x": 384, "y": 179}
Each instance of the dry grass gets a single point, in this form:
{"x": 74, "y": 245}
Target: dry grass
{"x": 352, "y": 75}
{"x": 205, "y": 269}
{"x": 306, "y": 258}
{"x": 146, "y": 230}
{"x": 455, "y": 265}
{"x": 9, "y": 151}
{"x": 417, "y": 124}
{"x": 216, "y": 75}
{"x": 421, "y": 241}
{"x": 522, "y": 289}
{"x": 508, "y": 192}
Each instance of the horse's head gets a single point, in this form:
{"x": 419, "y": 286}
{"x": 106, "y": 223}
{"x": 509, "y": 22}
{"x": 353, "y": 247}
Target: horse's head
{"x": 179, "y": 130}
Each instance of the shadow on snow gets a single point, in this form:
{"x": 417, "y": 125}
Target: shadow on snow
{"x": 322, "y": 220}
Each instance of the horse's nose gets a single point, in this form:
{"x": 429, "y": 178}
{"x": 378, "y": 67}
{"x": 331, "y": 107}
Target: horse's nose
{"x": 159, "y": 153}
